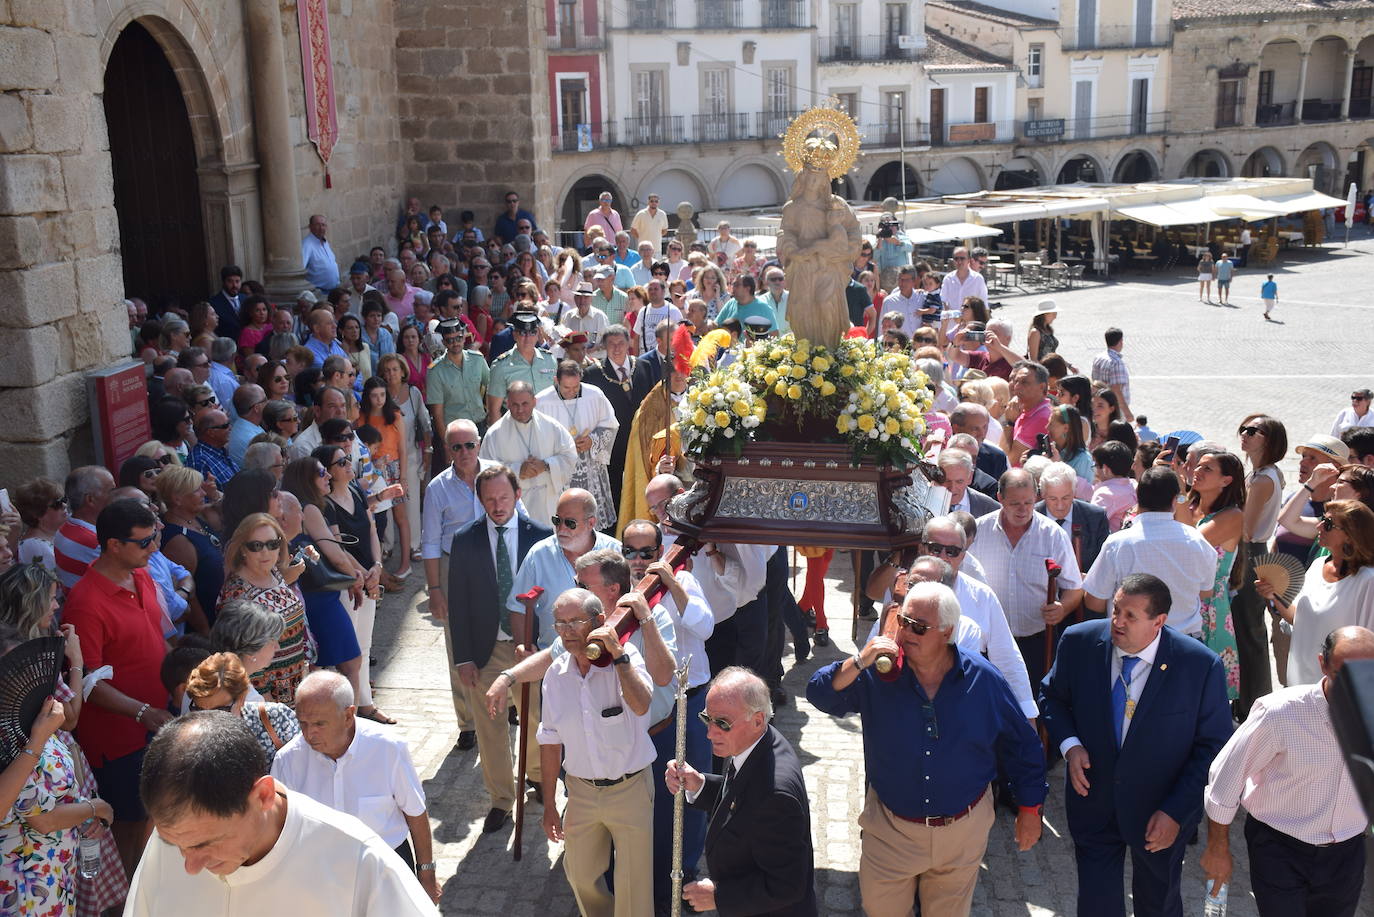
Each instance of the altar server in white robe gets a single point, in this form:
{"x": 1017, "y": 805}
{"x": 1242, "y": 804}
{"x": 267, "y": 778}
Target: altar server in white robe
{"x": 586, "y": 413}
{"x": 539, "y": 449}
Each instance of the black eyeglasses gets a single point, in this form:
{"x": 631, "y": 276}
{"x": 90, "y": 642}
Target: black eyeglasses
{"x": 456, "y": 447}
{"x": 512, "y": 200}
{"x": 935, "y": 550}
{"x": 916, "y": 627}
{"x": 141, "y": 542}
{"x": 205, "y": 402}
{"x": 1358, "y": 398}
{"x": 1328, "y": 524}
{"x": 642, "y": 553}
{"x": 524, "y": 332}
{"x": 150, "y": 473}
{"x": 218, "y": 426}
{"x": 341, "y": 463}
{"x": 292, "y": 419}
{"x": 719, "y": 722}
{"x": 339, "y": 440}
{"x": 564, "y": 522}
{"x": 1249, "y": 431}
{"x": 253, "y": 547}
{"x": 227, "y": 708}
{"x": 321, "y": 472}
{"x": 58, "y": 504}
{"x": 932, "y": 727}
{"x": 165, "y": 460}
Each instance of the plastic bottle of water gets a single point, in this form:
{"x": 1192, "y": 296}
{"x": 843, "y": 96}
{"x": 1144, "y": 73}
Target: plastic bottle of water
{"x": 89, "y": 856}
{"x": 1213, "y": 905}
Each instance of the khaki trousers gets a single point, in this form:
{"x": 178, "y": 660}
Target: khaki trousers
{"x": 901, "y": 859}
{"x": 461, "y": 708}
{"x": 494, "y": 735}
{"x": 596, "y": 818}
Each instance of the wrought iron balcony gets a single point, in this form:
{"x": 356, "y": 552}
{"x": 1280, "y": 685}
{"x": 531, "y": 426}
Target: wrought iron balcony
{"x": 835, "y": 49}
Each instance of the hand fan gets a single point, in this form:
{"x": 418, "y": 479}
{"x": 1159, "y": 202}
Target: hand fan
{"x": 1282, "y": 571}
{"x": 27, "y": 676}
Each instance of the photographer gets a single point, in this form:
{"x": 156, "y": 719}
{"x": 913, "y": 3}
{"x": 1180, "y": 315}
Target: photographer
{"x": 892, "y": 252}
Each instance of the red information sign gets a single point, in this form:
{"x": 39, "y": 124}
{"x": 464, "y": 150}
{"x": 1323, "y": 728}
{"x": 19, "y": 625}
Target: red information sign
{"x": 118, "y": 396}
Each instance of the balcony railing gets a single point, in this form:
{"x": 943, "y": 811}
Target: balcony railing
{"x": 1271, "y": 113}
{"x": 714, "y": 128}
{"x": 1361, "y": 108}
{"x": 724, "y": 127}
{"x": 663, "y": 129}
{"x": 1321, "y": 110}
{"x": 650, "y": 14}
{"x": 891, "y": 134}
{"x": 784, "y": 14}
{"x": 1116, "y": 36}
{"x": 598, "y": 135}
{"x": 769, "y": 125}
{"x": 719, "y": 14}
{"x": 865, "y": 48}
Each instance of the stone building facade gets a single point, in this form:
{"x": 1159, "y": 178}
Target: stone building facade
{"x": 437, "y": 98}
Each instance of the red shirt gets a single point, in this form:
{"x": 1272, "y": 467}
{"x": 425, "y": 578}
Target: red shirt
{"x": 999, "y": 367}
{"x": 121, "y": 629}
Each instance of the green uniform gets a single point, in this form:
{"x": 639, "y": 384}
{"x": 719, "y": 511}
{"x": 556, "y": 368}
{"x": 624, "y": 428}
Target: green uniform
{"x": 461, "y": 391}
{"x": 511, "y": 367}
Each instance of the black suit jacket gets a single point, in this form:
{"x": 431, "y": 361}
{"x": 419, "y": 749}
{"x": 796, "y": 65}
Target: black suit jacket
{"x": 980, "y": 504}
{"x": 603, "y": 375}
{"x": 472, "y": 600}
{"x": 228, "y": 315}
{"x": 758, "y": 839}
{"x": 648, "y": 372}
{"x": 992, "y": 462}
{"x": 1090, "y": 522}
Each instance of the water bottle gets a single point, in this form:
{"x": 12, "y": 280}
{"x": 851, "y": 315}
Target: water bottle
{"x": 1213, "y": 905}
{"x": 89, "y": 856}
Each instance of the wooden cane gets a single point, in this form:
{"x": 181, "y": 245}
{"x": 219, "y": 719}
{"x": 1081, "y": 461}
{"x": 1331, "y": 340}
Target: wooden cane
{"x": 1078, "y": 559}
{"x": 528, "y": 599}
{"x": 1052, "y": 571}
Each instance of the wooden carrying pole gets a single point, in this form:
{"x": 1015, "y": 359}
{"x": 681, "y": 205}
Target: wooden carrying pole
{"x": 680, "y": 797}
{"x": 622, "y": 620}
{"x": 526, "y": 638}
{"x": 1052, "y": 571}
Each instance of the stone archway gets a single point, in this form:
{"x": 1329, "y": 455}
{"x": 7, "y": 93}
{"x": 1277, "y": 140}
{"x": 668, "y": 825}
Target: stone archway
{"x": 887, "y": 182}
{"x": 1135, "y": 167}
{"x": 1263, "y": 163}
{"x": 582, "y": 198}
{"x": 154, "y": 162}
{"x": 1079, "y": 169}
{"x": 1207, "y": 164}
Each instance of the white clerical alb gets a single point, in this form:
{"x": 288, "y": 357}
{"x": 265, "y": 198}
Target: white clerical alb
{"x": 543, "y": 438}
{"x": 324, "y": 864}
{"x": 589, "y": 413}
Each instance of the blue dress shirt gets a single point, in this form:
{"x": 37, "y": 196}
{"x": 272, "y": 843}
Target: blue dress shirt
{"x": 546, "y": 565}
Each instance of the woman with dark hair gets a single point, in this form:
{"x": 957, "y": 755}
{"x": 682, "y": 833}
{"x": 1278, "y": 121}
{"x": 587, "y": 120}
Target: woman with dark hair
{"x": 252, "y": 490}
{"x": 1338, "y": 590}
{"x": 351, "y": 340}
{"x": 1077, "y": 392}
{"x": 254, "y": 324}
{"x": 203, "y": 319}
{"x": 1264, "y": 441}
{"x": 1216, "y": 508}
{"x": 1066, "y": 445}
{"x": 42, "y": 507}
{"x": 170, "y": 420}
{"x": 416, "y": 422}
{"x": 1122, "y": 432}
{"x": 308, "y": 481}
{"x": 141, "y": 472}
{"x": 1040, "y": 339}
{"x": 380, "y": 412}
{"x": 274, "y": 381}
{"x": 1105, "y": 409}
{"x": 282, "y": 418}
{"x": 410, "y": 349}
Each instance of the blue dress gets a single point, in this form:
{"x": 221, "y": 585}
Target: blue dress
{"x": 209, "y": 575}
{"x": 329, "y": 621}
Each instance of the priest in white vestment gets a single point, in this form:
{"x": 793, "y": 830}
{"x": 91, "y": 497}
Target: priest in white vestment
{"x": 586, "y": 413}
{"x": 536, "y": 447}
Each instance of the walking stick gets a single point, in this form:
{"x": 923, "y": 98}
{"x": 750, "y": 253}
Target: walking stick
{"x": 526, "y": 638}
{"x": 679, "y": 798}
{"x": 1052, "y": 571}
{"x": 1078, "y": 559}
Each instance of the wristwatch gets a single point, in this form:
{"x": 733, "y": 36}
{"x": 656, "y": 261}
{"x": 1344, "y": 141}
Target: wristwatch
{"x": 425, "y": 867}
{"x": 622, "y": 659}
{"x": 858, "y": 662}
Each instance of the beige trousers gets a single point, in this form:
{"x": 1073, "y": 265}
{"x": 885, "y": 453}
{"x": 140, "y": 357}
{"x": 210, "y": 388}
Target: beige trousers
{"x": 901, "y": 859}
{"x": 494, "y": 735}
{"x": 461, "y": 708}
{"x": 596, "y": 818}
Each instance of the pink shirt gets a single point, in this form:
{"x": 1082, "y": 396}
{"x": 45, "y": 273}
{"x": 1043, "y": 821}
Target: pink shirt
{"x": 1031, "y": 424}
{"x": 404, "y": 306}
{"x": 1116, "y": 497}
{"x": 610, "y": 222}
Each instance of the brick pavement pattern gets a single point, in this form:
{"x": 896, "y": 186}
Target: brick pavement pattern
{"x": 1193, "y": 366}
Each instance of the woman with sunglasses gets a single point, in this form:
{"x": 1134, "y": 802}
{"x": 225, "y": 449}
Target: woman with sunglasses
{"x": 346, "y": 510}
{"x": 1338, "y": 590}
{"x": 1348, "y": 482}
{"x": 275, "y": 381}
{"x": 708, "y": 283}
{"x": 141, "y": 472}
{"x": 1264, "y": 442}
{"x": 171, "y": 425}
{"x": 187, "y": 538}
{"x": 257, "y": 562}
{"x": 220, "y": 683}
{"x": 42, "y": 508}
{"x": 416, "y": 437}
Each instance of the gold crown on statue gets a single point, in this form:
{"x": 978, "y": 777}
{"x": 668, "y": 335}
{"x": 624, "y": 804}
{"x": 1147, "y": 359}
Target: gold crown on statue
{"x": 824, "y": 138}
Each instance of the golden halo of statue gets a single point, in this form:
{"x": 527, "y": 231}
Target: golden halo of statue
{"x": 808, "y": 141}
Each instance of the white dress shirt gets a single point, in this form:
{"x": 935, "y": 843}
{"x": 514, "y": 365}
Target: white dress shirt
{"x": 691, "y": 628}
{"x": 1285, "y": 766}
{"x": 323, "y": 864}
{"x": 1157, "y": 544}
{"x": 978, "y": 603}
{"x": 374, "y": 780}
{"x": 1347, "y": 418}
{"x": 596, "y": 746}
{"x": 953, "y": 290}
{"x": 1134, "y": 688}
{"x": 737, "y": 760}
{"x": 1017, "y": 575}
{"x": 720, "y": 589}
{"x": 512, "y": 540}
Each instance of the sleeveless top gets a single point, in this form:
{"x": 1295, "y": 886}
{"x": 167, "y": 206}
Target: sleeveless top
{"x": 1268, "y": 519}
{"x": 355, "y": 523}
{"x": 209, "y": 563}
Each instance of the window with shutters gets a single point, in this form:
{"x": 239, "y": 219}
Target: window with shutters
{"x": 1087, "y": 24}
{"x": 715, "y": 103}
{"x": 1140, "y": 106}
{"x": 1230, "y": 99}
{"x": 648, "y": 123}
{"x": 849, "y": 103}
{"x": 1144, "y": 22}
{"x": 894, "y": 27}
{"x": 980, "y": 104}
{"x": 1082, "y": 109}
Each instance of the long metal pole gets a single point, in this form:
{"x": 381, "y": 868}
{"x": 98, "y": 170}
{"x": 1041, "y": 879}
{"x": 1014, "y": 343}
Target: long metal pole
{"x": 901, "y": 142}
{"x": 679, "y": 798}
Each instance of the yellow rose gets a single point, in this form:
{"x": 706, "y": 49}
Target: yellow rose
{"x": 893, "y": 402}
{"x": 865, "y": 403}
{"x": 761, "y": 412}
{"x": 842, "y": 423}
{"x": 780, "y": 388}
{"x": 742, "y": 408}
{"x": 827, "y": 388}
{"x": 798, "y": 372}
{"x": 770, "y": 377}
{"x": 794, "y": 392}
{"x": 866, "y": 422}
{"x": 699, "y": 418}
{"x": 816, "y": 380}
{"x": 891, "y": 426}
{"x": 846, "y": 370}
{"x": 908, "y": 426}
{"x": 799, "y": 356}
{"x": 820, "y": 364}
{"x": 722, "y": 419}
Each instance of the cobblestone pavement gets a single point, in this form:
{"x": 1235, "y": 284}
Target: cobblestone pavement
{"x": 1193, "y": 366}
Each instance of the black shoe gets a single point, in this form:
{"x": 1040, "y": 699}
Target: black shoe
{"x": 778, "y": 696}
{"x": 802, "y": 651}
{"x": 512, "y": 716}
{"x": 494, "y": 820}
{"x": 822, "y": 637}
{"x": 372, "y": 661}
{"x": 868, "y": 613}
{"x": 537, "y": 790}
{"x": 467, "y": 739}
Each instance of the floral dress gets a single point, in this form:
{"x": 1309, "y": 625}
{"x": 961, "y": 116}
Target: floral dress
{"x": 283, "y": 674}
{"x": 38, "y": 871}
{"x": 1218, "y": 631}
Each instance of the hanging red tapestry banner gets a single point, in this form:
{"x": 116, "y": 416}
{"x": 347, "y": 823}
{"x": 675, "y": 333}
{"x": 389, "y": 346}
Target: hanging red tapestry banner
{"x": 321, "y": 117}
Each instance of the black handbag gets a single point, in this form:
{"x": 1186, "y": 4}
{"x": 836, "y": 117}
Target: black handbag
{"x": 320, "y": 575}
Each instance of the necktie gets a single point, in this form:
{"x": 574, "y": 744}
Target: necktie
{"x": 1060, "y": 522}
{"x": 1119, "y": 695}
{"x": 505, "y": 578}
{"x": 725, "y": 787}
{"x": 621, "y": 370}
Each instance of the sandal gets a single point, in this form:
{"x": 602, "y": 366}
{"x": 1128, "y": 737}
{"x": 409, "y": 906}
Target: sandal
{"x": 377, "y": 716}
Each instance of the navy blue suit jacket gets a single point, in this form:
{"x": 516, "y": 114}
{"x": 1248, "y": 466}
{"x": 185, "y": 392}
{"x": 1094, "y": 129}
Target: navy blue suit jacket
{"x": 1093, "y": 529}
{"x": 991, "y": 460}
{"x": 1181, "y": 721}
{"x": 228, "y": 315}
{"x": 473, "y": 607}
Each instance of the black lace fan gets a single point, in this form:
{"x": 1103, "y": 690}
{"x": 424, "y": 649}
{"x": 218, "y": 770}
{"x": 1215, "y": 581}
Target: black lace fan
{"x": 27, "y": 676}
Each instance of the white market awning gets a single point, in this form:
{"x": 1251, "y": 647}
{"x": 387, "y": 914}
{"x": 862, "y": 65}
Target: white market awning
{"x": 1174, "y": 213}
{"x": 1248, "y": 208}
{"x": 1038, "y": 210}
{"x": 1300, "y": 203}
{"x": 951, "y": 231}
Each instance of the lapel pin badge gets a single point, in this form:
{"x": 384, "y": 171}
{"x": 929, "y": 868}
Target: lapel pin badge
{"x": 1164, "y": 666}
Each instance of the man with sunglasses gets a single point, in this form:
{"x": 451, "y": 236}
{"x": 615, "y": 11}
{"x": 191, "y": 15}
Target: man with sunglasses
{"x": 535, "y": 446}
{"x": 760, "y": 856}
{"x": 118, "y": 618}
{"x": 963, "y": 281}
{"x": 210, "y": 454}
{"x": 1357, "y": 415}
{"x": 507, "y": 225}
{"x": 934, "y": 738}
{"x": 603, "y": 256}
{"x": 456, "y": 386}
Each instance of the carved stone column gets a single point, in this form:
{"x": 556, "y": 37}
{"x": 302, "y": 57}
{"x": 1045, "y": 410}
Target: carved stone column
{"x": 1345, "y": 87}
{"x": 1302, "y": 87}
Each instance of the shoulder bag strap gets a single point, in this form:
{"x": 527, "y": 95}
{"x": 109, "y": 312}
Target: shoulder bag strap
{"x": 267, "y": 724}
